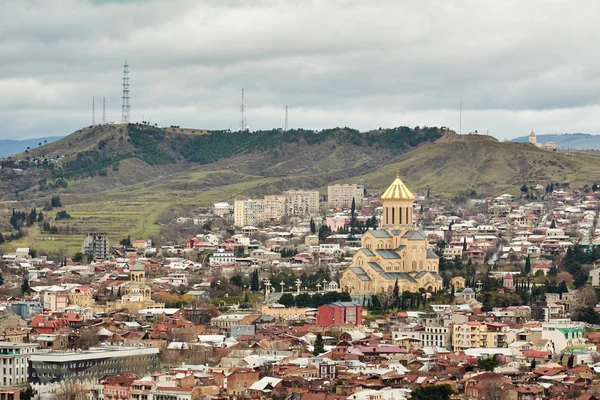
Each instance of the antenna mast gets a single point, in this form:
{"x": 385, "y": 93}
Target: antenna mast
{"x": 460, "y": 118}
{"x": 125, "y": 107}
{"x": 104, "y": 111}
{"x": 286, "y": 119}
{"x": 242, "y": 120}
{"x": 93, "y": 111}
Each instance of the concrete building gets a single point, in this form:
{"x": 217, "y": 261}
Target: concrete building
{"x": 96, "y": 244}
{"x": 26, "y": 309}
{"x": 15, "y": 363}
{"x": 339, "y": 313}
{"x": 92, "y": 364}
{"x": 342, "y": 195}
{"x": 221, "y": 257}
{"x": 296, "y": 203}
{"x": 248, "y": 212}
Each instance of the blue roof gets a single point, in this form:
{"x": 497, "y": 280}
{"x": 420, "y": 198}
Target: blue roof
{"x": 400, "y": 248}
{"x": 420, "y": 274}
{"x": 414, "y": 235}
{"x": 380, "y": 234}
{"x": 387, "y": 254}
{"x": 368, "y": 252}
{"x": 398, "y": 275}
{"x": 362, "y": 275}
{"x": 431, "y": 254}
{"x": 376, "y": 267}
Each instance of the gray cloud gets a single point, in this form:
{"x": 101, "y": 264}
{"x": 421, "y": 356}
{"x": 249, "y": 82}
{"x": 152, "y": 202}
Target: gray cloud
{"x": 516, "y": 65}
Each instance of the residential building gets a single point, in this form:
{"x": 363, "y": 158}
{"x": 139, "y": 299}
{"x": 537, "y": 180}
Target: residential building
{"x": 26, "y": 309}
{"x": 296, "y": 203}
{"x": 240, "y": 380}
{"x": 341, "y": 195}
{"x": 15, "y": 363}
{"x": 96, "y": 244}
{"x": 474, "y": 334}
{"x": 248, "y": 212}
{"x": 339, "y": 313}
{"x": 221, "y": 257}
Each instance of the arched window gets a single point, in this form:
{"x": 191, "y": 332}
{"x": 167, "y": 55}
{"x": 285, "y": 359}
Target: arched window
{"x": 400, "y": 215}
{"x": 393, "y": 215}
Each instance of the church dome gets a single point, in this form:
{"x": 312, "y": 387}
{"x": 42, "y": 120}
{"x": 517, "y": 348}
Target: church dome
{"x": 397, "y": 190}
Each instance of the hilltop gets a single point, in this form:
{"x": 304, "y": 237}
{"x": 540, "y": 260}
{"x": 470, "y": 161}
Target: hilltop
{"x": 575, "y": 141}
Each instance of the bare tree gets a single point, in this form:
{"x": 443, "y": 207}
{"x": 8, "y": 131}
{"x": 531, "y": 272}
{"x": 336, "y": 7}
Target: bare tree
{"x": 70, "y": 390}
{"x": 492, "y": 390}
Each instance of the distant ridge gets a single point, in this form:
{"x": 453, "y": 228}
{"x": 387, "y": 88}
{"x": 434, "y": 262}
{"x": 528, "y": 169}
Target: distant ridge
{"x": 9, "y": 147}
{"x": 564, "y": 141}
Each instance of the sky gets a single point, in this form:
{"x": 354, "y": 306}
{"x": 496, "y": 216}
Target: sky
{"x": 515, "y": 65}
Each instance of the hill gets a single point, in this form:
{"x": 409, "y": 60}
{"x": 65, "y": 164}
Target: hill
{"x": 576, "y": 141}
{"x": 121, "y": 179}
{"x": 461, "y": 164}
{"x": 9, "y": 147}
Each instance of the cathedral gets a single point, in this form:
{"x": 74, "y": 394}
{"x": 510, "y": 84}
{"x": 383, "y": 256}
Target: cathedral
{"x": 397, "y": 251}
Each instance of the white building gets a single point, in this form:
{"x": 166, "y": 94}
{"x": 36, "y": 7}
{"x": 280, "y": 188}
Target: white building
{"x": 15, "y": 363}
{"x": 222, "y": 209}
{"x": 177, "y": 279}
{"x": 290, "y": 203}
{"x": 342, "y": 195}
{"x": 562, "y": 333}
{"x": 248, "y": 212}
{"x": 222, "y": 257}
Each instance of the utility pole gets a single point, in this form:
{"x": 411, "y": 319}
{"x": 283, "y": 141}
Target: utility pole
{"x": 93, "y": 111}
{"x": 125, "y": 107}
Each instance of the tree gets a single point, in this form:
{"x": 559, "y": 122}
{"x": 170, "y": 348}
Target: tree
{"x": 438, "y": 392}
{"x": 532, "y": 365}
{"x": 287, "y": 300}
{"x": 254, "y": 283}
{"x": 553, "y": 224}
{"x": 313, "y": 226}
{"x": 396, "y": 294}
{"x": 78, "y": 257}
{"x": 487, "y": 364}
{"x": 25, "y": 286}
{"x": 465, "y": 244}
{"x": 527, "y": 266}
{"x": 562, "y": 287}
{"x": 126, "y": 242}
{"x": 319, "y": 345}
{"x": 524, "y": 188}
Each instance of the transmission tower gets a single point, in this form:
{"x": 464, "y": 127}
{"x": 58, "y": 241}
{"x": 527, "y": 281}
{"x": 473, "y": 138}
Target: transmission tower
{"x": 286, "y": 120}
{"x": 242, "y": 119}
{"x": 104, "y": 111}
{"x": 93, "y": 111}
{"x": 125, "y": 107}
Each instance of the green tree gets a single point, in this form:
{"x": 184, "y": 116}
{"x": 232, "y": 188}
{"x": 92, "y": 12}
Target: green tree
{"x": 254, "y": 283}
{"x": 553, "y": 224}
{"x": 319, "y": 345}
{"x": 25, "y": 287}
{"x": 396, "y": 294}
{"x": 28, "y": 394}
{"x": 287, "y": 300}
{"x": 313, "y": 226}
{"x": 237, "y": 280}
{"x": 562, "y": 287}
{"x": 126, "y": 242}
{"x": 487, "y": 364}
{"x": 527, "y": 266}
{"x": 524, "y": 188}
{"x": 532, "y": 365}
{"x": 437, "y": 392}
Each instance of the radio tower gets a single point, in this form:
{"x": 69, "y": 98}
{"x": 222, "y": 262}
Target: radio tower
{"x": 286, "y": 120}
{"x": 104, "y": 111}
{"x": 93, "y": 111}
{"x": 242, "y": 120}
{"x": 125, "y": 107}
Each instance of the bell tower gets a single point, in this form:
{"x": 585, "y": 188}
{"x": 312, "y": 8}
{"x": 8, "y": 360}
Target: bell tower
{"x": 397, "y": 203}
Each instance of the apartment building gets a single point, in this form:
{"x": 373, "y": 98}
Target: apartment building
{"x": 342, "y": 195}
{"x": 15, "y": 363}
{"x": 291, "y": 203}
{"x": 248, "y": 212}
{"x": 479, "y": 335}
{"x": 96, "y": 244}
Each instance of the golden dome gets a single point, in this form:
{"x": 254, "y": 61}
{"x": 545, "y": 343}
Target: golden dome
{"x": 397, "y": 190}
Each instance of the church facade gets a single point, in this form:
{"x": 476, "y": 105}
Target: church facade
{"x": 397, "y": 251}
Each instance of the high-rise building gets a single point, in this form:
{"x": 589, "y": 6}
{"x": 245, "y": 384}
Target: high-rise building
{"x": 15, "y": 362}
{"x": 292, "y": 203}
{"x": 96, "y": 244}
{"x": 342, "y": 195}
{"x": 248, "y": 212}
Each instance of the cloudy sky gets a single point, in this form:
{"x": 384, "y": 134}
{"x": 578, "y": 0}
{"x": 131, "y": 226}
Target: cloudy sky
{"x": 516, "y": 65}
